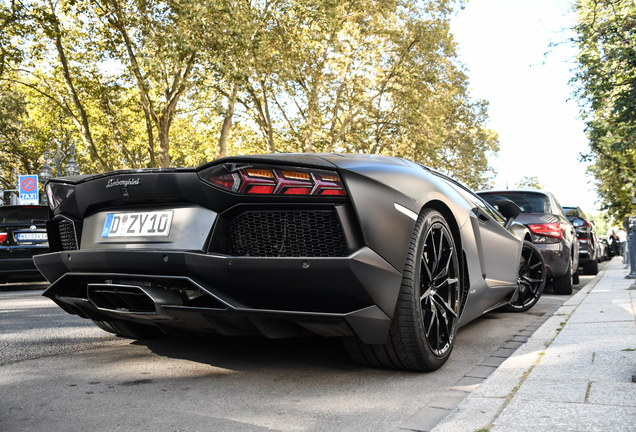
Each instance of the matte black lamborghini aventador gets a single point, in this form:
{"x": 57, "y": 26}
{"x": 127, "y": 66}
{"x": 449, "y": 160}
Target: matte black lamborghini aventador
{"x": 390, "y": 255}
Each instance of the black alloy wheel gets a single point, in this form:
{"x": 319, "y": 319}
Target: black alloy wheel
{"x": 439, "y": 289}
{"x": 424, "y": 325}
{"x": 530, "y": 280}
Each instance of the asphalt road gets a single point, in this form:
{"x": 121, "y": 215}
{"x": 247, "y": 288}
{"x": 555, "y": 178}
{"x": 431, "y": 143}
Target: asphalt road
{"x": 59, "y": 372}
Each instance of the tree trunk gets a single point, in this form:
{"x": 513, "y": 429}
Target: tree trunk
{"x": 311, "y": 108}
{"x": 221, "y": 150}
{"x": 164, "y": 140}
{"x": 84, "y": 128}
{"x": 152, "y": 163}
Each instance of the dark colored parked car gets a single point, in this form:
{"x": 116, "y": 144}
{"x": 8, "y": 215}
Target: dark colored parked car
{"x": 551, "y": 232}
{"x": 22, "y": 235}
{"x": 604, "y": 249}
{"x": 587, "y": 238}
{"x": 390, "y": 255}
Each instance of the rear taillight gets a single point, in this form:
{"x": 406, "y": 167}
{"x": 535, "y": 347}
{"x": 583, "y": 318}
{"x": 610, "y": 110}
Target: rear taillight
{"x": 3, "y": 237}
{"x": 548, "y": 230}
{"x": 58, "y": 193}
{"x": 265, "y": 180}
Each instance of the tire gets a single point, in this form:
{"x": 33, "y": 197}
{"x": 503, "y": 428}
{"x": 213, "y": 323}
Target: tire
{"x": 531, "y": 279}
{"x": 591, "y": 268}
{"x": 130, "y": 330}
{"x": 575, "y": 277}
{"x": 424, "y": 325}
{"x": 563, "y": 284}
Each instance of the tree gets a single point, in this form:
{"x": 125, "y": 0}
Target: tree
{"x": 601, "y": 222}
{"x": 529, "y": 183}
{"x": 149, "y": 83}
{"x": 605, "y": 35}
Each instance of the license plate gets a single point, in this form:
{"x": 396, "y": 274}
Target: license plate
{"x": 32, "y": 236}
{"x": 138, "y": 224}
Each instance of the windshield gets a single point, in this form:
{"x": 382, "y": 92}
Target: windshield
{"x": 528, "y": 202}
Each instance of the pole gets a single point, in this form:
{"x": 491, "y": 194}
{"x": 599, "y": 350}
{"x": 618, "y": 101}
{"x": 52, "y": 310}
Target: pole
{"x": 631, "y": 248}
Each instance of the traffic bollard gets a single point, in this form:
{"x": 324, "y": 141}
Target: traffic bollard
{"x": 631, "y": 248}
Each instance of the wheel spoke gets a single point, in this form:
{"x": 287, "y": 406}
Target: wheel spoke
{"x": 444, "y": 271}
{"x": 434, "y": 266}
{"x": 439, "y": 302}
{"x": 527, "y": 279}
{"x": 432, "y": 321}
{"x": 426, "y": 294}
{"x": 428, "y": 271}
{"x": 437, "y": 331}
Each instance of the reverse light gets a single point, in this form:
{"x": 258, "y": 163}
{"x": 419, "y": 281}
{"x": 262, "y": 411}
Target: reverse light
{"x": 58, "y": 193}
{"x": 265, "y": 180}
{"x": 549, "y": 230}
{"x": 3, "y": 237}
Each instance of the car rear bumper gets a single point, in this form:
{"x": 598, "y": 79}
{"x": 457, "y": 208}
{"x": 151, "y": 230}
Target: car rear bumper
{"x": 19, "y": 270}
{"x": 278, "y": 297}
{"x": 557, "y": 258}
{"x": 585, "y": 254}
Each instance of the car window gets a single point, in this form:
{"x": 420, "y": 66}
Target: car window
{"x": 571, "y": 211}
{"x": 490, "y": 210}
{"x": 559, "y": 209}
{"x": 22, "y": 214}
{"x": 528, "y": 202}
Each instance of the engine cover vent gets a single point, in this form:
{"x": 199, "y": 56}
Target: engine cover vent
{"x": 67, "y": 234}
{"x": 294, "y": 233}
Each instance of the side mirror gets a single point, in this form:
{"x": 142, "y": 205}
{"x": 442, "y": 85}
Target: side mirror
{"x": 508, "y": 209}
{"x": 578, "y": 222}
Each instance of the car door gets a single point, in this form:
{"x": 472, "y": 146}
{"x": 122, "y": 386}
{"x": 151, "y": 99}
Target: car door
{"x": 499, "y": 250}
{"x": 500, "y": 247}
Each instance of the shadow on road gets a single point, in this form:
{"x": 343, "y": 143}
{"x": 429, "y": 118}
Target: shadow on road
{"x": 254, "y": 352}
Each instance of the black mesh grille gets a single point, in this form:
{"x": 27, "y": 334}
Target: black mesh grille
{"x": 287, "y": 234}
{"x": 67, "y": 235}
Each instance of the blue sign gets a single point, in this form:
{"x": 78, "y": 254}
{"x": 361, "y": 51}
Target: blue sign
{"x": 107, "y": 224}
{"x": 29, "y": 189}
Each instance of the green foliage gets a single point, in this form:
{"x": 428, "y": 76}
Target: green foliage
{"x": 529, "y": 183}
{"x": 601, "y": 222}
{"x": 606, "y": 79}
{"x": 155, "y": 83}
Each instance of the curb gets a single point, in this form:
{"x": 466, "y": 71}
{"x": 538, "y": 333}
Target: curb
{"x": 480, "y": 409}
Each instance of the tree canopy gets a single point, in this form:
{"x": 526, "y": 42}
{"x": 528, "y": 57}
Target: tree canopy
{"x": 529, "y": 183}
{"x": 606, "y": 89}
{"x": 156, "y": 83}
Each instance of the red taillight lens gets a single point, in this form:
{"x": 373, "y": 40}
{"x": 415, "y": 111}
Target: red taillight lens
{"x": 548, "y": 230}
{"x": 260, "y": 189}
{"x": 3, "y": 237}
{"x": 264, "y": 180}
{"x": 227, "y": 181}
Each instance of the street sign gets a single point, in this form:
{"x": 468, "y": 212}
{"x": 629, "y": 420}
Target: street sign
{"x": 29, "y": 189}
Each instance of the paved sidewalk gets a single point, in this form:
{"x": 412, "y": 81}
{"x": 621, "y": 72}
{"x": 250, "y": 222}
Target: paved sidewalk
{"x": 573, "y": 374}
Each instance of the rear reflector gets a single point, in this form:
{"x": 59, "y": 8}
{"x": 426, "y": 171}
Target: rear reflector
{"x": 548, "y": 230}
{"x": 266, "y": 180}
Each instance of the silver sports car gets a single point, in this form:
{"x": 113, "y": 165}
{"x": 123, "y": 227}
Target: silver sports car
{"x": 389, "y": 255}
